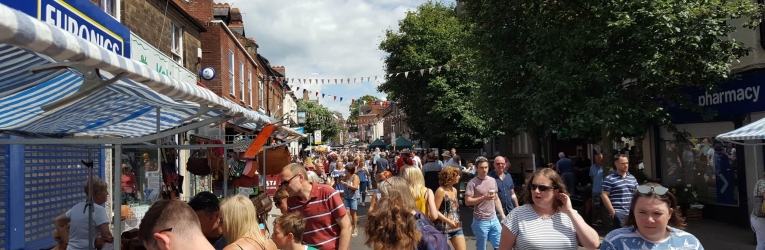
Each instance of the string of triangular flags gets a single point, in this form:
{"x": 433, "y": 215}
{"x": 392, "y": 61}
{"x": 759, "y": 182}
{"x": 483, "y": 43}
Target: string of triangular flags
{"x": 287, "y": 80}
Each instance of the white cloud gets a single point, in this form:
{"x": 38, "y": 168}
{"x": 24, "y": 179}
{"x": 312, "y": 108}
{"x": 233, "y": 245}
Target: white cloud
{"x": 328, "y": 39}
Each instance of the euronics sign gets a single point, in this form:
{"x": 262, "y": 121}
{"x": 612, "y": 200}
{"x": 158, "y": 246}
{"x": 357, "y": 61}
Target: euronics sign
{"x": 81, "y": 18}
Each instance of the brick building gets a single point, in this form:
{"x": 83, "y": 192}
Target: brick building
{"x": 395, "y": 121}
{"x": 369, "y": 117}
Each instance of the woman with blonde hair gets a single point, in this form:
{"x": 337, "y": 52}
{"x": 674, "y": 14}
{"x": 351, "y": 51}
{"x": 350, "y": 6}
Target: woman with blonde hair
{"x": 547, "y": 220}
{"x": 241, "y": 227}
{"x": 423, "y": 197}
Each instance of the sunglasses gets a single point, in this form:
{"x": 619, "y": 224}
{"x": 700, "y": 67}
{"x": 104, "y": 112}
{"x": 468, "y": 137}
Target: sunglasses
{"x": 542, "y": 188}
{"x": 645, "y": 189}
{"x": 481, "y": 158}
{"x": 287, "y": 182}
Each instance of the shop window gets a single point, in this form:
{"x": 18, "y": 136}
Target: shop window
{"x": 176, "y": 38}
{"x": 701, "y": 170}
{"x": 231, "y": 72}
{"x": 241, "y": 81}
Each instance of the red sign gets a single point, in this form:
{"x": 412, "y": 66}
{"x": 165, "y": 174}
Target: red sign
{"x": 272, "y": 183}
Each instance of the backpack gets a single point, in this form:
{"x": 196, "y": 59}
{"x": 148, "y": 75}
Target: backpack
{"x": 432, "y": 239}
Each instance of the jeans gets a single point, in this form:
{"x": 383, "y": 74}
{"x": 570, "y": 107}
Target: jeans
{"x": 758, "y": 226}
{"x": 569, "y": 180}
{"x": 363, "y": 190}
{"x": 486, "y": 230}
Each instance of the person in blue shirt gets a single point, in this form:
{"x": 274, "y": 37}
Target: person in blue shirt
{"x": 652, "y": 223}
{"x": 565, "y": 167}
{"x": 596, "y": 173}
{"x": 505, "y": 185}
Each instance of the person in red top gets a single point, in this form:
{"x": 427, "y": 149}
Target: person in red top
{"x": 327, "y": 227}
{"x": 403, "y": 161}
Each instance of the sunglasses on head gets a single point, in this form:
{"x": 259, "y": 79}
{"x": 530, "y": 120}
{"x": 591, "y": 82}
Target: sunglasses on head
{"x": 658, "y": 190}
{"x": 542, "y": 188}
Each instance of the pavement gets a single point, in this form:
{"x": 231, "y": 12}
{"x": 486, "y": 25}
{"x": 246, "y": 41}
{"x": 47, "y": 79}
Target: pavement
{"x": 713, "y": 234}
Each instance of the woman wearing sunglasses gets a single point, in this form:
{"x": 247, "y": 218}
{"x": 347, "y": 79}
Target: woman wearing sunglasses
{"x": 547, "y": 220}
{"x": 652, "y": 223}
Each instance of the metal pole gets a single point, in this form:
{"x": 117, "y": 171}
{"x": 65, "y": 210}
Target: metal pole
{"x": 159, "y": 153}
{"x": 89, "y": 203}
{"x": 225, "y": 163}
{"x": 117, "y": 197}
{"x": 263, "y": 178}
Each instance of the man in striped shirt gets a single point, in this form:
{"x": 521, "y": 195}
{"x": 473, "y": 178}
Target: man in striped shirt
{"x": 327, "y": 227}
{"x": 618, "y": 188}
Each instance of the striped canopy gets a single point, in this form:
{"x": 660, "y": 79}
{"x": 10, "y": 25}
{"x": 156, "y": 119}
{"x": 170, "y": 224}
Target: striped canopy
{"x": 752, "y": 131}
{"x": 127, "y": 108}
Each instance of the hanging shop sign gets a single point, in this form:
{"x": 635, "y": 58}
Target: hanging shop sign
{"x": 144, "y": 53}
{"x": 208, "y": 73}
{"x": 81, "y": 18}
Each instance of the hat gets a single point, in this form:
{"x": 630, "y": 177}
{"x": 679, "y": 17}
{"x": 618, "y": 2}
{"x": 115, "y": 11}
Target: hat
{"x": 405, "y": 151}
{"x": 447, "y": 154}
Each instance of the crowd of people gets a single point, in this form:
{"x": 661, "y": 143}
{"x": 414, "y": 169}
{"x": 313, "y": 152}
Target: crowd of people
{"x": 415, "y": 204}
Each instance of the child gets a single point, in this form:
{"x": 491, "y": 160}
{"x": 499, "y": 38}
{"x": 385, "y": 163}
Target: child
{"x": 288, "y": 232}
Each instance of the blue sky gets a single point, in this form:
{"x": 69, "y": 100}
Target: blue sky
{"x": 325, "y": 39}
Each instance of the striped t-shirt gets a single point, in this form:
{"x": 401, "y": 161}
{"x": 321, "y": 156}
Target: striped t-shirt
{"x": 535, "y": 232}
{"x": 620, "y": 191}
{"x": 321, "y": 211}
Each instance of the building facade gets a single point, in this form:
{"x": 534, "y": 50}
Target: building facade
{"x": 394, "y": 123}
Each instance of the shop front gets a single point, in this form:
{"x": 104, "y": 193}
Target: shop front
{"x": 702, "y": 170}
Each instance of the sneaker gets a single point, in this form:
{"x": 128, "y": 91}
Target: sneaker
{"x": 597, "y": 223}
{"x": 355, "y": 232}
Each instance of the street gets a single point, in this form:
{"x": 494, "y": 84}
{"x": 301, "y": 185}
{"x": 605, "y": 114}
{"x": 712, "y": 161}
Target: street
{"x": 712, "y": 234}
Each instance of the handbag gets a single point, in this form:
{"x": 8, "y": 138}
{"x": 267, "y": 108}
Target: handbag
{"x": 249, "y": 169}
{"x": 198, "y": 165}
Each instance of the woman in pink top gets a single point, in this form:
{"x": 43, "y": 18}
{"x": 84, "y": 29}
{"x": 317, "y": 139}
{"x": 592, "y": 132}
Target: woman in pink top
{"x": 129, "y": 184}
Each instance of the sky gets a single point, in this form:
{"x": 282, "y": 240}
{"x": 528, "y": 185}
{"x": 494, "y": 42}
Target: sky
{"x": 325, "y": 39}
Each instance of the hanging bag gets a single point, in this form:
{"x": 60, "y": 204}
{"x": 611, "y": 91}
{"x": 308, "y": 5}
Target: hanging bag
{"x": 198, "y": 165}
{"x": 759, "y": 206}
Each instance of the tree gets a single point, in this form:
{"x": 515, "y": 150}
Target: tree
{"x": 320, "y": 118}
{"x": 440, "y": 106}
{"x": 602, "y": 68}
{"x": 353, "y": 117}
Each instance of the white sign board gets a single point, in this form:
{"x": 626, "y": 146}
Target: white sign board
{"x": 146, "y": 54}
{"x": 152, "y": 178}
{"x": 316, "y": 136}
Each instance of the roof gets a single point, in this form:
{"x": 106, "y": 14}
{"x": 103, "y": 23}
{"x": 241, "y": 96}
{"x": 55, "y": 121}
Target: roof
{"x": 126, "y": 108}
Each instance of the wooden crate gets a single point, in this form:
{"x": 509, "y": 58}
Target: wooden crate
{"x": 693, "y": 214}
{"x": 276, "y": 159}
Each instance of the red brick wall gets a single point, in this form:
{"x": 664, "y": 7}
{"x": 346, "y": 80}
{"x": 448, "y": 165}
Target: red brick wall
{"x": 216, "y": 44}
{"x": 200, "y": 9}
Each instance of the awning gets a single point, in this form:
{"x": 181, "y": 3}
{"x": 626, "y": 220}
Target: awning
{"x": 752, "y": 131}
{"x": 126, "y": 108}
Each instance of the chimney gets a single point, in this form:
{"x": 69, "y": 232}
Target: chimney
{"x": 236, "y": 24}
{"x": 280, "y": 69}
{"x": 305, "y": 95}
{"x": 199, "y": 9}
{"x": 252, "y": 47}
{"x": 221, "y": 11}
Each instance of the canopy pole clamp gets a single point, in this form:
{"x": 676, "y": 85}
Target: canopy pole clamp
{"x": 203, "y": 109}
{"x": 218, "y": 123}
{"x": 91, "y": 81}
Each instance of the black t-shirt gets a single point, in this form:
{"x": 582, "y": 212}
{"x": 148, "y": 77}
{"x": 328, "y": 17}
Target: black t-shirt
{"x": 218, "y": 243}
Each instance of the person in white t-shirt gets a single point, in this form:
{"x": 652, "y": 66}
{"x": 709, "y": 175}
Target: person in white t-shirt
{"x": 417, "y": 160}
{"x": 78, "y": 219}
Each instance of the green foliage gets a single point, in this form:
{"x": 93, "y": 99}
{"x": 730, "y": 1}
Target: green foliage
{"x": 604, "y": 68}
{"x": 353, "y": 118}
{"x": 439, "y": 106}
{"x": 320, "y": 118}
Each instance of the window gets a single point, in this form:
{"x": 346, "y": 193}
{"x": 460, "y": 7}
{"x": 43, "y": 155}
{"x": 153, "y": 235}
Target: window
{"x": 260, "y": 95}
{"x": 231, "y": 66}
{"x": 176, "y": 43}
{"x": 249, "y": 86}
{"x": 241, "y": 80}
{"x": 110, "y": 7}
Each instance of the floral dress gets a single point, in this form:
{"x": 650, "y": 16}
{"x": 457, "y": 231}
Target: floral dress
{"x": 450, "y": 208}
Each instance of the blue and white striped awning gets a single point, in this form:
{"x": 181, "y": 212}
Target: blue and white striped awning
{"x": 126, "y": 108}
{"x": 752, "y": 131}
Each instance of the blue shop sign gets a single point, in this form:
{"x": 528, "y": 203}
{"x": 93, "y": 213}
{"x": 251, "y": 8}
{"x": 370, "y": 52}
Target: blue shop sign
{"x": 735, "y": 97}
{"x": 81, "y": 18}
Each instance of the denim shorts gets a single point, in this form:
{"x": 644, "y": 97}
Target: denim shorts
{"x": 454, "y": 234}
{"x": 352, "y": 204}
